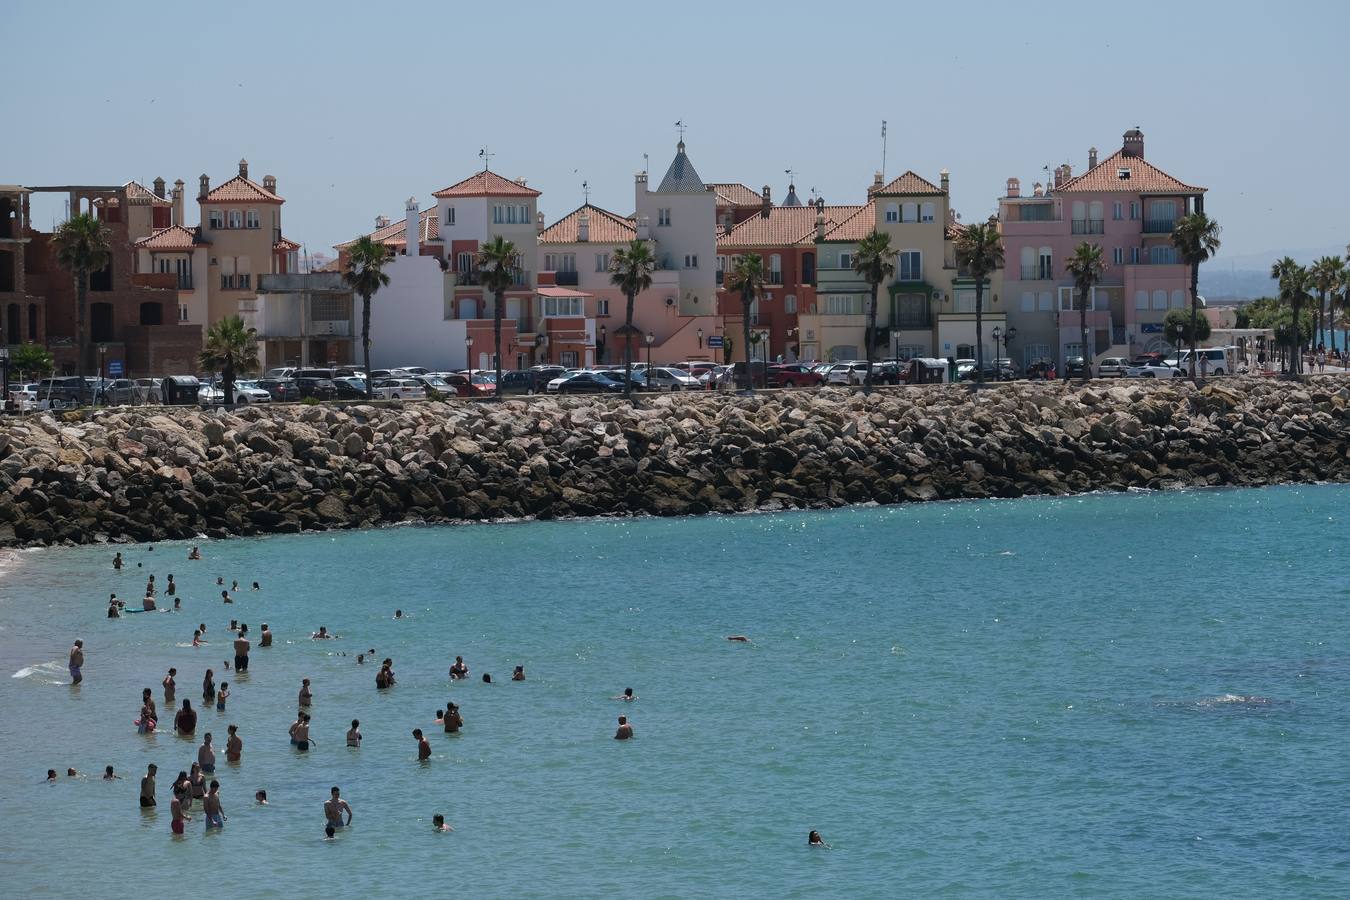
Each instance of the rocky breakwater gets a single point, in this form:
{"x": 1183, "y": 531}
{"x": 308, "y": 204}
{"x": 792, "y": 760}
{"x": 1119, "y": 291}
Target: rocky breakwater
{"x": 155, "y": 474}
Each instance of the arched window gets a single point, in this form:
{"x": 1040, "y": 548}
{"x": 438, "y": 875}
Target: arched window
{"x": 892, "y": 212}
{"x": 1178, "y": 299}
{"x": 910, "y": 212}
{"x": 926, "y": 212}
{"x": 1160, "y": 299}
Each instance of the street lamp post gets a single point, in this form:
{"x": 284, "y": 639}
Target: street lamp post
{"x": 650, "y": 338}
{"x": 4, "y": 373}
{"x": 102, "y": 362}
{"x": 1009, "y": 333}
{"x": 998, "y": 339}
{"x": 700, "y": 338}
{"x": 604, "y": 342}
{"x": 468, "y": 353}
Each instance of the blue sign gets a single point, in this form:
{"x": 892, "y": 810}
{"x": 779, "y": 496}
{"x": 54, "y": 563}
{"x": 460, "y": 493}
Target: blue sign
{"x": 714, "y": 341}
{"x": 115, "y": 368}
{"x": 1151, "y": 328}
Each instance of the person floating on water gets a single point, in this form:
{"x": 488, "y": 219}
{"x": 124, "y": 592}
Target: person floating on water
{"x": 110, "y": 775}
{"x": 626, "y": 695}
{"x": 518, "y": 674}
{"x": 322, "y": 634}
{"x": 815, "y": 840}
{"x": 625, "y": 731}
{"x": 195, "y": 553}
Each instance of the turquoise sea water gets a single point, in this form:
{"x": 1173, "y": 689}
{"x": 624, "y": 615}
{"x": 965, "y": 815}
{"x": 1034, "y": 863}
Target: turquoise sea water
{"x": 1128, "y": 695}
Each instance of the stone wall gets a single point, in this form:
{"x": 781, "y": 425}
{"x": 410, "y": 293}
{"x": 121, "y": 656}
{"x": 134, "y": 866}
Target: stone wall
{"x": 153, "y": 474}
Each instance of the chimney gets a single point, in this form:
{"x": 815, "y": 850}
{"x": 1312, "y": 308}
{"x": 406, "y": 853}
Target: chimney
{"x": 538, "y": 222}
{"x": 1014, "y": 188}
{"x": 946, "y": 179}
{"x": 644, "y": 228}
{"x": 412, "y": 227}
{"x": 820, "y": 223}
{"x": 1038, "y": 190}
{"x": 270, "y": 183}
{"x": 520, "y": 181}
{"x": 178, "y": 202}
{"x": 203, "y": 188}
{"x": 584, "y": 228}
{"x": 159, "y": 188}
{"x": 1134, "y": 143}
{"x": 877, "y": 184}
{"x": 243, "y": 168}
{"x": 1068, "y": 171}
{"x": 1092, "y": 157}
{"x": 1059, "y": 175}
{"x": 765, "y": 204}
{"x": 381, "y": 222}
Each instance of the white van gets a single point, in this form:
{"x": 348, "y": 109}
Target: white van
{"x": 1213, "y": 361}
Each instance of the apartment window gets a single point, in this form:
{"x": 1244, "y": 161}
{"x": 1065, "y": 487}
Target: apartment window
{"x": 1117, "y": 212}
{"x": 1178, "y": 299}
{"x": 965, "y": 301}
{"x": 602, "y": 262}
{"x": 1134, "y": 209}
{"x": 1141, "y": 299}
{"x": 1028, "y": 301}
{"x": 243, "y": 281}
{"x": 1162, "y": 256}
{"x": 329, "y": 309}
{"x": 790, "y": 304}
{"x": 1032, "y": 353}
{"x": 926, "y": 212}
{"x": 560, "y": 262}
{"x": 236, "y": 218}
{"x": 1118, "y": 256}
{"x": 449, "y": 215}
{"x": 1160, "y": 299}
{"x": 845, "y": 260}
{"x": 498, "y": 214}
{"x": 691, "y": 260}
{"x": 562, "y": 306}
{"x": 909, "y": 265}
{"x": 910, "y": 311}
{"x": 602, "y": 307}
{"x": 568, "y": 359}
{"x": 663, "y": 216}
{"x": 775, "y": 269}
{"x": 1045, "y": 264}
{"x": 892, "y": 212}
{"x": 216, "y": 219}
{"x": 182, "y": 313}
{"x": 843, "y": 305}
{"x": 909, "y": 212}
{"x": 251, "y": 219}
{"x": 464, "y": 264}
{"x": 1134, "y": 256}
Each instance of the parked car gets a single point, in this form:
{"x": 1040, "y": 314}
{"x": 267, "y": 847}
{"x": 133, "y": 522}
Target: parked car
{"x": 470, "y": 386}
{"x": 717, "y": 377}
{"x": 318, "y": 388}
{"x": 281, "y": 390}
{"x": 523, "y": 381}
{"x": 851, "y": 372}
{"x": 315, "y": 373}
{"x": 24, "y": 397}
{"x": 120, "y": 392}
{"x": 557, "y": 381}
{"x": 1155, "y": 369}
{"x": 793, "y": 375}
{"x": 61, "y": 392}
{"x": 1112, "y": 367}
{"x": 662, "y": 379}
{"x": 591, "y": 383}
{"x": 399, "y": 389}
{"x": 415, "y": 370}
{"x": 210, "y": 394}
{"x": 348, "y": 387}
{"x": 247, "y": 391}
{"x": 280, "y": 372}
{"x": 1210, "y": 361}
{"x": 434, "y": 383}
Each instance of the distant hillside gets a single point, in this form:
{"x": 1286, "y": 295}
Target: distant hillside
{"x": 1243, "y": 284}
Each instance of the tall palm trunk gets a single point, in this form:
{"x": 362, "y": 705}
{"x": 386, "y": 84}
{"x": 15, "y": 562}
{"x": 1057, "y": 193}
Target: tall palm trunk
{"x": 628, "y": 349}
{"x": 1082, "y": 337}
{"x": 871, "y": 339}
{"x": 979, "y": 331}
{"x": 1195, "y": 313}
{"x": 745, "y": 335}
{"x": 81, "y": 315}
{"x": 1321, "y": 308}
{"x": 365, "y": 341}
{"x": 498, "y": 298}
{"x": 1295, "y": 342}
{"x": 227, "y": 376}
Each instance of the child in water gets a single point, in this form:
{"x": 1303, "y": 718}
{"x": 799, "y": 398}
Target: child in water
{"x": 223, "y": 693}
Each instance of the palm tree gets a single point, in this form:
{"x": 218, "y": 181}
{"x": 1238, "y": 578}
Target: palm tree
{"x": 1293, "y": 280}
{"x": 1324, "y": 276}
{"x": 498, "y": 262}
{"x": 231, "y": 348}
{"x": 630, "y": 270}
{"x": 979, "y": 250}
{"x": 82, "y": 247}
{"x": 747, "y": 279}
{"x": 365, "y": 275}
{"x": 874, "y": 260}
{"x": 1343, "y": 285}
{"x": 1086, "y": 267}
{"x": 1196, "y": 238}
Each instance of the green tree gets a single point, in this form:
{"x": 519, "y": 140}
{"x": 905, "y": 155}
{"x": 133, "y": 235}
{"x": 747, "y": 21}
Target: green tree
{"x": 82, "y": 247}
{"x": 630, "y": 270}
{"x": 498, "y": 263}
{"x": 1324, "y": 277}
{"x": 747, "y": 279}
{"x": 1086, "y": 267}
{"x": 1196, "y": 238}
{"x": 31, "y": 360}
{"x": 230, "y": 349}
{"x": 874, "y": 260}
{"x": 1178, "y": 325}
{"x": 979, "y": 251}
{"x": 1293, "y": 280}
{"x": 365, "y": 275}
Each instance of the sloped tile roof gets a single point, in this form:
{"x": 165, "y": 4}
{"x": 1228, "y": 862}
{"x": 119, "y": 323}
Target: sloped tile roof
{"x": 784, "y": 226}
{"x": 733, "y": 193}
{"x": 175, "y": 237}
{"x": 240, "y": 189}
{"x": 395, "y": 234}
{"x": 138, "y": 193}
{"x": 285, "y": 244}
{"x": 681, "y": 177}
{"x": 909, "y": 184}
{"x": 855, "y": 227}
{"x": 604, "y": 226}
{"x": 1145, "y": 178}
{"x": 486, "y": 184}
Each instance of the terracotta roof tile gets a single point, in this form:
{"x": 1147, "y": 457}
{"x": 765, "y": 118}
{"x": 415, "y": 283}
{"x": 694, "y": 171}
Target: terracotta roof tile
{"x": 486, "y": 184}
{"x": 855, "y": 227}
{"x": 1145, "y": 178}
{"x": 137, "y": 193}
{"x": 395, "y": 234}
{"x": 240, "y": 189}
{"x": 175, "y": 237}
{"x": 908, "y": 184}
{"x": 605, "y": 227}
{"x": 285, "y": 244}
{"x": 784, "y": 226}
{"x": 733, "y": 193}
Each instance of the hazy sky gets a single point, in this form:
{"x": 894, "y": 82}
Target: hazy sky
{"x": 355, "y": 107}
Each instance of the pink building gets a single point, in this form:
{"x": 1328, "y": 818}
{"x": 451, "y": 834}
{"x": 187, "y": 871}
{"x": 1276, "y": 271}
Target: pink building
{"x": 1129, "y": 207}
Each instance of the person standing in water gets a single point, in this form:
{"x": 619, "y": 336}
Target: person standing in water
{"x": 222, "y": 696}
{"x": 117, "y": 561}
{"x": 354, "y": 734}
{"x": 76, "y": 662}
{"x": 625, "y": 731}
{"x": 215, "y": 814}
{"x": 148, "y": 786}
{"x": 209, "y": 687}
{"x": 452, "y": 720}
{"x": 170, "y": 589}
{"x": 334, "y": 807}
{"x": 186, "y": 720}
{"x": 170, "y": 687}
{"x": 206, "y": 755}
{"x": 195, "y": 553}
{"x": 179, "y": 817}
{"x": 234, "y": 747}
{"x": 305, "y": 696}
{"x": 301, "y": 737}
{"x": 423, "y": 745}
{"x": 241, "y": 647}
{"x": 266, "y": 639}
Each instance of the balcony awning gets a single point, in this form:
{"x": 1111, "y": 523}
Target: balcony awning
{"x": 560, "y": 292}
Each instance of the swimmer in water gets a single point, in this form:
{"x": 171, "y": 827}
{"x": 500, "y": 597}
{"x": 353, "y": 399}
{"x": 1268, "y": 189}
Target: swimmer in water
{"x": 215, "y": 814}
{"x": 234, "y": 747}
{"x": 220, "y": 581}
{"x": 195, "y": 553}
{"x": 518, "y": 674}
{"x": 354, "y": 734}
{"x": 423, "y": 745}
{"x": 110, "y": 775}
{"x": 71, "y": 773}
{"x": 260, "y": 798}
{"x": 255, "y": 587}
{"x": 398, "y": 614}
{"x": 438, "y": 823}
{"x": 360, "y": 659}
{"x": 815, "y": 840}
{"x": 51, "y": 777}
{"x": 487, "y": 679}
{"x": 302, "y": 738}
{"x": 225, "y": 597}
{"x": 117, "y": 561}
{"x": 738, "y": 638}
{"x": 177, "y": 603}
{"x": 321, "y": 635}
{"x": 626, "y": 695}
{"x": 266, "y": 639}
{"x": 234, "y": 587}
{"x": 185, "y": 722}
{"x": 625, "y": 731}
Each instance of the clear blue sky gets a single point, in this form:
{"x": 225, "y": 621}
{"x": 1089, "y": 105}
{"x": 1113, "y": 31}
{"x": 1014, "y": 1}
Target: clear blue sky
{"x": 354, "y": 107}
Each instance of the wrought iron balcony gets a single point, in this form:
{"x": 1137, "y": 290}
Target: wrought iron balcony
{"x": 1088, "y": 226}
{"x": 1159, "y": 226}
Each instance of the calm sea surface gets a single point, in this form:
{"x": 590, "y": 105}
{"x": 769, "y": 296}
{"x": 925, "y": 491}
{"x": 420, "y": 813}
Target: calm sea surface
{"x": 1139, "y": 695}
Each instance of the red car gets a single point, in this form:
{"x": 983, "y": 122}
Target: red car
{"x": 471, "y": 385}
{"x": 792, "y": 375}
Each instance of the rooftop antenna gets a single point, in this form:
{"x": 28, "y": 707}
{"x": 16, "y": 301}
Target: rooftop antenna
{"x": 586, "y": 191}
{"x": 791, "y": 174}
{"x": 883, "y": 149}
{"x": 646, "y": 164}
{"x": 680, "y": 127}
{"x": 486, "y": 157}
{"x": 814, "y": 195}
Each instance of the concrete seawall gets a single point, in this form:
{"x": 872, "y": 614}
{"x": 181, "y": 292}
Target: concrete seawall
{"x": 156, "y": 474}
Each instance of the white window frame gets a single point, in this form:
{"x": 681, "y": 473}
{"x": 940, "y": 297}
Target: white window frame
{"x": 892, "y": 212}
{"x": 1117, "y": 211}
{"x": 252, "y": 219}
{"x": 843, "y": 305}
{"x": 216, "y": 219}
{"x": 449, "y": 216}
{"x": 845, "y": 260}
{"x": 602, "y": 306}
{"x": 911, "y": 260}
{"x": 235, "y": 218}
{"x": 1134, "y": 210}
{"x": 460, "y": 261}
{"x": 909, "y": 212}
{"x": 602, "y": 262}
{"x": 775, "y": 269}
{"x": 1141, "y": 300}
{"x": 691, "y": 260}
{"x": 1118, "y": 256}
{"x": 562, "y": 307}
{"x": 963, "y": 301}
{"x": 927, "y": 212}
{"x": 663, "y": 217}
{"x": 790, "y": 304}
